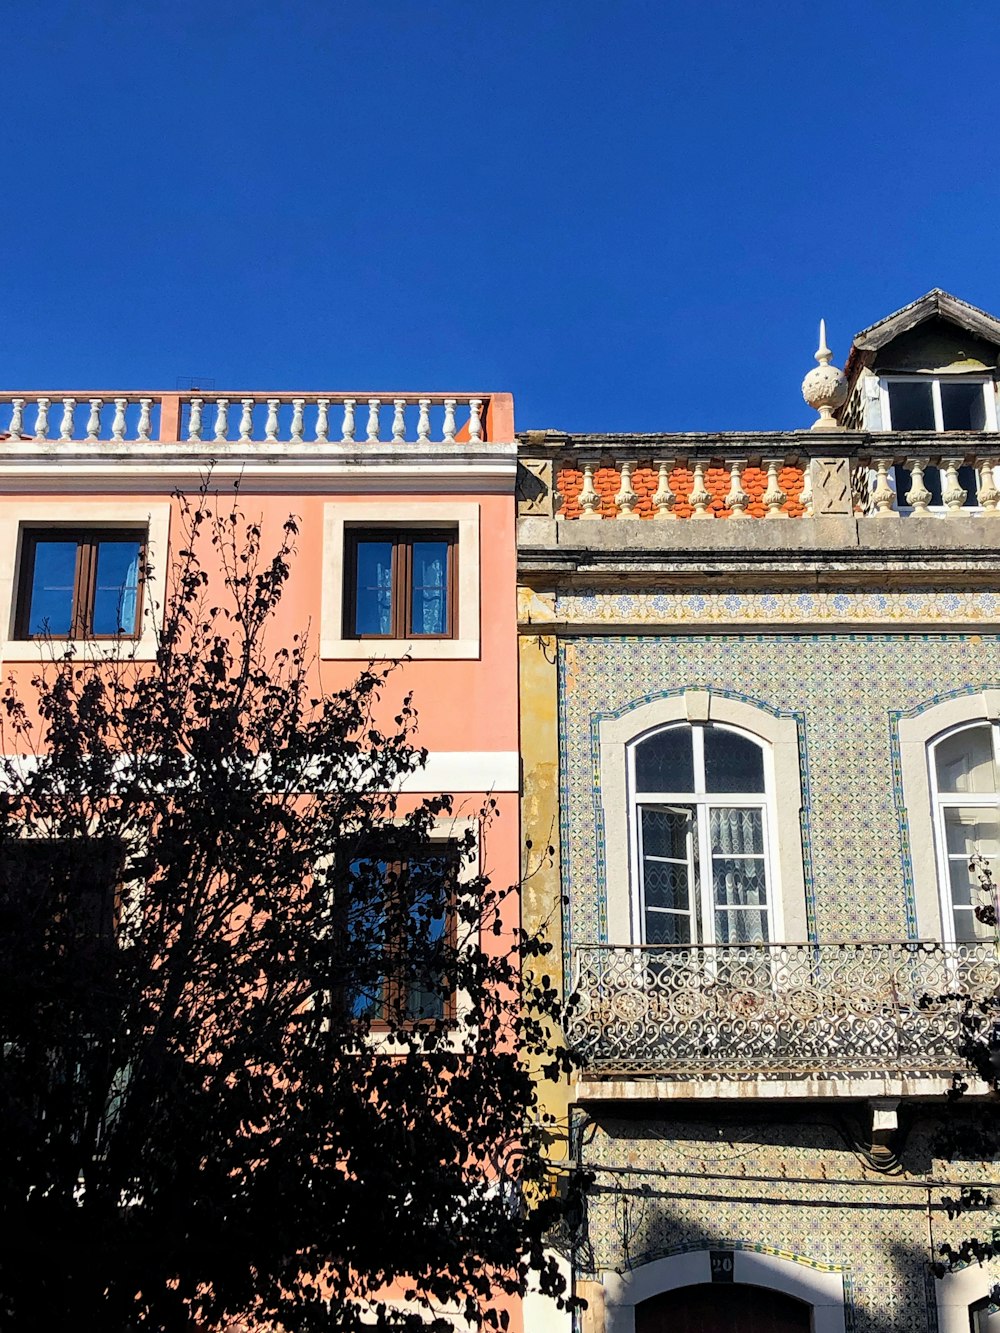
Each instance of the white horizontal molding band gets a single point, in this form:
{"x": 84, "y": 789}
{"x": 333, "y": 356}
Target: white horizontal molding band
{"x": 466, "y": 771}
{"x": 334, "y": 468}
{"x": 445, "y": 771}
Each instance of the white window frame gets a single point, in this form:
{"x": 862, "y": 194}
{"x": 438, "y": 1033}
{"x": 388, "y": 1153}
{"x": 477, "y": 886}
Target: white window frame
{"x": 780, "y": 737}
{"x": 916, "y": 735}
{"x": 935, "y": 381}
{"x": 18, "y": 517}
{"x": 942, "y": 801}
{"x": 702, "y": 888}
{"x": 407, "y": 515}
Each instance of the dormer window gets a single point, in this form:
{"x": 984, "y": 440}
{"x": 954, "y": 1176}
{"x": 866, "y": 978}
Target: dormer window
{"x": 938, "y": 403}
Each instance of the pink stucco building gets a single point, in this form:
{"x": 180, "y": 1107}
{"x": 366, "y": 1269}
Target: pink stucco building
{"x": 406, "y": 549}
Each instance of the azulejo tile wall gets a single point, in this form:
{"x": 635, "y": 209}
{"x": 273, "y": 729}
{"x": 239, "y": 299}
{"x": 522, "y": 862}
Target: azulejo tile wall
{"x": 844, "y": 689}
{"x": 794, "y": 1188}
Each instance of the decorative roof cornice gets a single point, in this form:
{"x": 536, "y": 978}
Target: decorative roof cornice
{"x": 935, "y": 304}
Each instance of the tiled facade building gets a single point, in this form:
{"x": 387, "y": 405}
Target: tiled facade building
{"x": 760, "y": 695}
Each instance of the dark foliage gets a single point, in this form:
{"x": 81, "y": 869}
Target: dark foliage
{"x": 972, "y": 1132}
{"x": 265, "y": 1041}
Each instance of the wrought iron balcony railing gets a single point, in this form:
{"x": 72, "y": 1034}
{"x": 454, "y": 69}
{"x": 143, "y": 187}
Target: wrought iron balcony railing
{"x": 872, "y": 1008}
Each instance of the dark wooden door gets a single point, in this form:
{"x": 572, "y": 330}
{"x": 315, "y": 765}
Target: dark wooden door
{"x": 717, "y": 1308}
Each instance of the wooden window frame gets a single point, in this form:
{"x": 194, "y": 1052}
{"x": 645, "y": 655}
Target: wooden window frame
{"x": 88, "y": 541}
{"x": 396, "y": 987}
{"x": 401, "y": 581}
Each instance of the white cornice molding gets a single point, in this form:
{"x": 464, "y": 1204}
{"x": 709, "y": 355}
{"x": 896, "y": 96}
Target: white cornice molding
{"x": 489, "y": 467}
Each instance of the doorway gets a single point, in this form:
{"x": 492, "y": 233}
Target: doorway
{"x": 715, "y": 1308}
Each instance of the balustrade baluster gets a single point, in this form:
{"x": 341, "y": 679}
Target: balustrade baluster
{"x": 66, "y": 425}
{"x": 16, "y": 429}
{"x": 221, "y": 420}
{"x": 246, "y": 420}
{"x": 398, "y": 420}
{"x": 271, "y": 426}
{"x": 626, "y": 499}
{"x": 424, "y": 421}
{"x": 989, "y": 494}
{"x": 774, "y": 497}
{"x": 953, "y": 495}
{"x": 475, "y": 420}
{"x": 42, "y": 419}
{"x": 918, "y": 497}
{"x": 118, "y": 423}
{"x": 348, "y": 429}
{"x": 373, "y": 422}
{"x": 322, "y": 420}
{"x": 663, "y": 497}
{"x": 94, "y": 420}
{"x": 737, "y": 500}
{"x": 298, "y": 419}
{"x": 558, "y": 499}
{"x": 145, "y": 420}
{"x": 699, "y": 497}
{"x": 883, "y": 496}
{"x": 194, "y": 420}
{"x": 449, "y": 420}
{"x": 590, "y": 501}
{"x": 806, "y": 497}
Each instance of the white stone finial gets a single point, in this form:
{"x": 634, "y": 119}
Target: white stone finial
{"x": 823, "y": 354}
{"x": 825, "y": 387}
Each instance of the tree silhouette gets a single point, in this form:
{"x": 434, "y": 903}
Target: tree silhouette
{"x": 971, "y": 1132}
{"x": 265, "y": 1036}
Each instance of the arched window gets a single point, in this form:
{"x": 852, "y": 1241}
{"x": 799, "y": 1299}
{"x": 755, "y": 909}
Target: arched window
{"x": 965, "y": 790}
{"x": 700, "y": 813}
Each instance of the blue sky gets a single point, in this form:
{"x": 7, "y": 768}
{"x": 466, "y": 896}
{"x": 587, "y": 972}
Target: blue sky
{"x": 631, "y": 213}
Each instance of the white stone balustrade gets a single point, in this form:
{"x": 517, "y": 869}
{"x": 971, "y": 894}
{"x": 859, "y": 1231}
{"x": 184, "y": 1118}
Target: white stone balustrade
{"x": 900, "y": 486}
{"x": 269, "y": 418}
{"x": 827, "y": 1009}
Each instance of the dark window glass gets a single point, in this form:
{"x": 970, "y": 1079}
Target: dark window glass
{"x": 732, "y": 762}
{"x": 400, "y": 585}
{"x": 80, "y": 583}
{"x": 664, "y": 762}
{"x": 58, "y": 895}
{"x": 963, "y": 407}
{"x": 373, "y": 588}
{"x": 911, "y": 405}
{"x": 430, "y": 587}
{"x": 116, "y": 587}
{"x": 53, "y": 580}
{"x": 398, "y": 935}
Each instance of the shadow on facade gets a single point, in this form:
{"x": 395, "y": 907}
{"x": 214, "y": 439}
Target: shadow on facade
{"x": 798, "y": 1187}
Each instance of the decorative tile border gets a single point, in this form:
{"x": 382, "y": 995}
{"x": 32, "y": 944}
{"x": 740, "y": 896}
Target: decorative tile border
{"x": 794, "y": 608}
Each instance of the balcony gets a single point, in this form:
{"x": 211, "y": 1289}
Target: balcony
{"x": 842, "y": 1019}
{"x": 212, "y": 418}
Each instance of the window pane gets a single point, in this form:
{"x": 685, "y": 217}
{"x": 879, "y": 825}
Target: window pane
{"x": 668, "y": 928}
{"x": 430, "y": 588}
{"x": 963, "y": 406}
{"x": 965, "y": 762}
{"x": 970, "y": 832}
{"x": 736, "y": 832}
{"x": 732, "y": 763}
{"x": 665, "y": 762}
{"x": 737, "y": 927}
{"x": 373, "y": 588}
{"x": 911, "y": 405}
{"x": 51, "y": 607}
{"x": 116, "y": 596}
{"x": 428, "y": 885}
{"x": 365, "y": 964}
